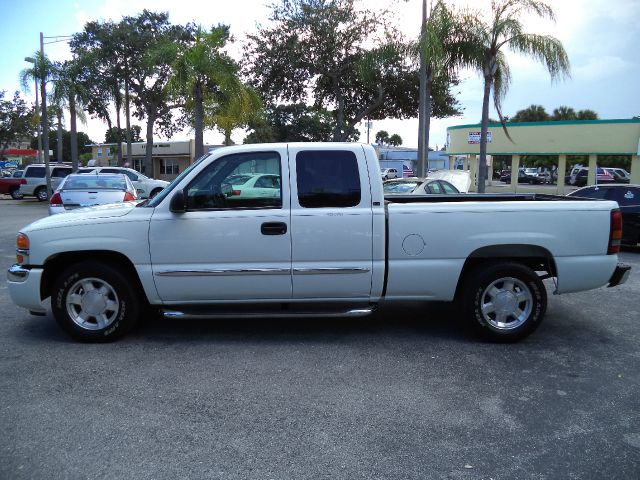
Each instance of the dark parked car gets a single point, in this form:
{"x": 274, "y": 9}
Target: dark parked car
{"x": 525, "y": 175}
{"x": 628, "y": 197}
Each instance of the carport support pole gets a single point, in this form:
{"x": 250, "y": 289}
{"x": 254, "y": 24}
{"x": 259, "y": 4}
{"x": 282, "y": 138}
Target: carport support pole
{"x": 635, "y": 169}
{"x": 473, "y": 171}
{"x": 593, "y": 163}
{"x": 562, "y": 168}
{"x": 515, "y": 167}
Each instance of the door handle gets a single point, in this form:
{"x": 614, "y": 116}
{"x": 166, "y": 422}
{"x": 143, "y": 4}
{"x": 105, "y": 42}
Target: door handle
{"x": 273, "y": 228}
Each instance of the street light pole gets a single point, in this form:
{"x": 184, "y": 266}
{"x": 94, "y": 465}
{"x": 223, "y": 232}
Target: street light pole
{"x": 35, "y": 81}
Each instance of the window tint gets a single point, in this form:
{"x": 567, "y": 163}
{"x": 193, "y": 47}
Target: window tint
{"x": 592, "y": 192}
{"x": 434, "y": 187}
{"x": 217, "y": 187}
{"x": 448, "y": 188}
{"x": 60, "y": 172}
{"x": 627, "y": 196}
{"x": 34, "y": 172}
{"x": 327, "y": 179}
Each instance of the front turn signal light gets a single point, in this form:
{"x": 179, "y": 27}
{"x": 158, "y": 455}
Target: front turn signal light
{"x": 22, "y": 242}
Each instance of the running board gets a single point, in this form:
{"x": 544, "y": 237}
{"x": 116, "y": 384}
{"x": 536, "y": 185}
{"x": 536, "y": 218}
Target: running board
{"x": 355, "y": 313}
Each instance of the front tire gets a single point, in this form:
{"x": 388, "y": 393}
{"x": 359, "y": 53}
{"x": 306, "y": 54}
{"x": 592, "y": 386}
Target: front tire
{"x": 41, "y": 194}
{"x": 94, "y": 302}
{"x": 505, "y": 301}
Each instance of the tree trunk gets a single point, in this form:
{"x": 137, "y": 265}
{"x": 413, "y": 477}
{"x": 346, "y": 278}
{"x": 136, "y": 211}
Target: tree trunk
{"x": 426, "y": 110}
{"x": 59, "y": 146}
{"x": 74, "y": 132}
{"x": 147, "y": 167}
{"x": 482, "y": 161}
{"x": 198, "y": 113}
{"x": 128, "y": 122}
{"x": 119, "y": 135}
{"x": 227, "y": 137}
{"x": 423, "y": 142}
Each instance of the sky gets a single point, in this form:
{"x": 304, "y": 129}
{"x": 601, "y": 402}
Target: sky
{"x": 600, "y": 37}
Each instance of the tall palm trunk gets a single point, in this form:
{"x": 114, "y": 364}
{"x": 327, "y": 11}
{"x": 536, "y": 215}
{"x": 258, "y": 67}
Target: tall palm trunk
{"x": 59, "y": 146}
{"x": 74, "y": 132}
{"x": 423, "y": 141}
{"x": 118, "y": 102}
{"x": 198, "y": 121}
{"x": 482, "y": 162}
{"x": 128, "y": 121}
{"x": 147, "y": 167}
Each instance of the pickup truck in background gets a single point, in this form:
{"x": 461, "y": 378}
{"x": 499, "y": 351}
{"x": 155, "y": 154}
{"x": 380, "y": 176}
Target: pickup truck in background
{"x": 11, "y": 185}
{"x": 323, "y": 242}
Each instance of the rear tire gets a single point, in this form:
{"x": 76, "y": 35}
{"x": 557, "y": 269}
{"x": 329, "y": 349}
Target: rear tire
{"x": 15, "y": 194}
{"x": 504, "y": 301}
{"x": 41, "y": 194}
{"x": 155, "y": 192}
{"x": 94, "y": 302}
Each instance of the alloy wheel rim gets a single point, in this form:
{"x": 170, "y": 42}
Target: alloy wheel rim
{"x": 92, "y": 304}
{"x": 506, "y": 303}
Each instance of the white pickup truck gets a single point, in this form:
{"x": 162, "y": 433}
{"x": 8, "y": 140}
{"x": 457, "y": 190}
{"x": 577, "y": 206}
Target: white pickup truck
{"x": 323, "y": 241}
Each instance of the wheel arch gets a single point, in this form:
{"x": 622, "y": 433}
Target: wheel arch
{"x": 535, "y": 257}
{"x": 56, "y": 264}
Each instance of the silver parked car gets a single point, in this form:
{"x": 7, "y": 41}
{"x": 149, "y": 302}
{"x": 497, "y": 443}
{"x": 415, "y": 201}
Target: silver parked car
{"x": 86, "y": 190}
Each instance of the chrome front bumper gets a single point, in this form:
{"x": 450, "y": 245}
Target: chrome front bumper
{"x": 23, "y": 284}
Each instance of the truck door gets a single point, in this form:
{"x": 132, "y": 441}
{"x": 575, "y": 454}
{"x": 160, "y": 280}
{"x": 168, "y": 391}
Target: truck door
{"x": 234, "y": 240}
{"x": 331, "y": 223}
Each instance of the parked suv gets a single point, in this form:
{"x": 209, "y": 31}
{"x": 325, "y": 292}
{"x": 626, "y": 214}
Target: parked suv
{"x": 145, "y": 187}
{"x": 34, "y": 180}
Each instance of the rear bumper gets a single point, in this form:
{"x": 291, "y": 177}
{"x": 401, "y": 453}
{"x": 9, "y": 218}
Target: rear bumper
{"x": 24, "y": 287}
{"x": 620, "y": 275}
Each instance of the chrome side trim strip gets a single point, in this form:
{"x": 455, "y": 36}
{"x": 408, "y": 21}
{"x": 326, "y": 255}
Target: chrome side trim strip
{"x": 225, "y": 272}
{"x": 355, "y": 313}
{"x": 330, "y": 271}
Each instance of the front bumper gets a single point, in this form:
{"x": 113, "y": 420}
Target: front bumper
{"x": 620, "y": 275}
{"x": 23, "y": 284}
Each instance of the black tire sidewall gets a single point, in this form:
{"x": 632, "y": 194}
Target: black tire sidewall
{"x": 45, "y": 197}
{"x": 128, "y": 312}
{"x": 481, "y": 278}
{"x": 15, "y": 194}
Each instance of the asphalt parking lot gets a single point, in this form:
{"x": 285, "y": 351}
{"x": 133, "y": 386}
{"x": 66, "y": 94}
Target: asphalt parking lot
{"x": 404, "y": 394}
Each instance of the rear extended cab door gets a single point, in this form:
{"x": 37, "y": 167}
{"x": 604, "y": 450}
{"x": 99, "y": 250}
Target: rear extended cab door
{"x": 332, "y": 227}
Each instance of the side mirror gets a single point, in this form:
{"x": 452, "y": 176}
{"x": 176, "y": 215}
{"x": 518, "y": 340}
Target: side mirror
{"x": 178, "y": 204}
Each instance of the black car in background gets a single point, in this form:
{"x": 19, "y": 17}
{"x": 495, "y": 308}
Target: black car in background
{"x": 628, "y": 197}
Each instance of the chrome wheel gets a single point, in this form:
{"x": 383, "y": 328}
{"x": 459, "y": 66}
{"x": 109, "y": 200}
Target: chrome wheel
{"x": 506, "y": 303}
{"x": 42, "y": 194}
{"x": 92, "y": 304}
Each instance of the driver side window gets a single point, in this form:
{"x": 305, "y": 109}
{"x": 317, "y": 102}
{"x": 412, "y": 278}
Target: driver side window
{"x": 237, "y": 181}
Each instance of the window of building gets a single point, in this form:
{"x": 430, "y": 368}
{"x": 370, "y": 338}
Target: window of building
{"x": 327, "y": 179}
{"x": 169, "y": 167}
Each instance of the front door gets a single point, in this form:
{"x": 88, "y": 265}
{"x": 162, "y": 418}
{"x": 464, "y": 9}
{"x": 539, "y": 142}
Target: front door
{"x": 234, "y": 241}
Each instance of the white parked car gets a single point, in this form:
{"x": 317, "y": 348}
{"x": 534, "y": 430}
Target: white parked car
{"x": 81, "y": 190}
{"x": 389, "y": 173}
{"x": 254, "y": 185}
{"x": 145, "y": 187}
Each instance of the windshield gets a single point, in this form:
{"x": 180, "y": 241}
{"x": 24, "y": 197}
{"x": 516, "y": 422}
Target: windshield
{"x": 155, "y": 201}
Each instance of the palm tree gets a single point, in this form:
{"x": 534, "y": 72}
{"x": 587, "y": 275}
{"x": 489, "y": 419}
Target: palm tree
{"x": 200, "y": 72}
{"x": 442, "y": 49}
{"x": 42, "y": 71}
{"x": 238, "y": 106}
{"x": 69, "y": 93}
{"x": 505, "y": 29}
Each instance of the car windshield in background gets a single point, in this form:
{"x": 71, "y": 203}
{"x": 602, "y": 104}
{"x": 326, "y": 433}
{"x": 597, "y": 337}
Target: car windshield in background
{"x": 97, "y": 182}
{"x": 400, "y": 187}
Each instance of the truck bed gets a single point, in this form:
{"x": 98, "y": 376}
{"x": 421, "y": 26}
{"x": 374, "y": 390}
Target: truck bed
{"x": 478, "y": 197}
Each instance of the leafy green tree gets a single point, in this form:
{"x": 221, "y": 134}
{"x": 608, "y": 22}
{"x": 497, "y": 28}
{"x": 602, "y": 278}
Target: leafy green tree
{"x": 533, "y": 113}
{"x": 16, "y": 121}
{"x": 564, "y": 113}
{"x": 115, "y": 135}
{"x": 238, "y": 105}
{"x": 81, "y": 137}
{"x": 395, "y": 140}
{"x": 586, "y": 115}
{"x": 382, "y": 137}
{"x": 294, "y": 123}
{"x": 335, "y": 56}
{"x": 505, "y": 29}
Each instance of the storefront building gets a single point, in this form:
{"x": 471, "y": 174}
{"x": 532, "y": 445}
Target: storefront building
{"x": 563, "y": 138}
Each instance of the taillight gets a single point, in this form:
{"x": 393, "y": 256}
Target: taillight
{"x": 615, "y": 235}
{"x": 129, "y": 197}
{"x": 236, "y": 192}
{"x": 56, "y": 199}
